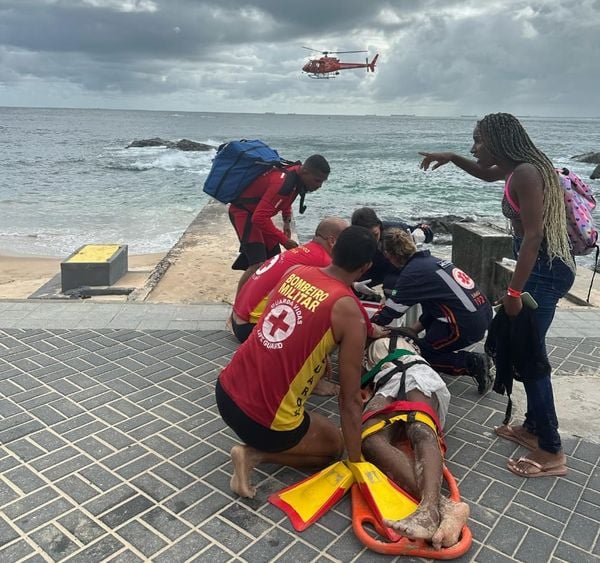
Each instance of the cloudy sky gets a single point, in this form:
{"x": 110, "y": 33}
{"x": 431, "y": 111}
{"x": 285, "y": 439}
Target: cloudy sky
{"x": 437, "y": 57}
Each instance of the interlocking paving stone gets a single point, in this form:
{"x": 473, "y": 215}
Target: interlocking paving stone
{"x": 536, "y": 546}
{"x": 54, "y": 542}
{"x": 43, "y": 514}
{"x": 97, "y": 552}
{"x": 76, "y": 488}
{"x": 125, "y": 556}
{"x": 7, "y": 532}
{"x": 15, "y": 551}
{"x": 185, "y": 548}
{"x": 141, "y": 538}
{"x": 214, "y": 554}
{"x": 124, "y": 435}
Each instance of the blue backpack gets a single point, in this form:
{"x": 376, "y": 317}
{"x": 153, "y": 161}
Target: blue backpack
{"x": 236, "y": 165}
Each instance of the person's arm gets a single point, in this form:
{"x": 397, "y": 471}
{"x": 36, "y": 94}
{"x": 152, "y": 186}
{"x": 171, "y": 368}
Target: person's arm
{"x": 373, "y": 331}
{"x": 392, "y": 309}
{"x": 406, "y": 293}
{"x": 350, "y": 333}
{"x": 527, "y": 185}
{"x": 271, "y": 203}
{"x": 470, "y": 166}
{"x": 287, "y": 224}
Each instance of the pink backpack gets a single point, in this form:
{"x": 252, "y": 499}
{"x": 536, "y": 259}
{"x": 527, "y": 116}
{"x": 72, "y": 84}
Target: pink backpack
{"x": 579, "y": 204}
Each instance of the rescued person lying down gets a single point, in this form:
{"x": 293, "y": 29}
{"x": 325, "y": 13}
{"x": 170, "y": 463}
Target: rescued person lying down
{"x": 413, "y": 400}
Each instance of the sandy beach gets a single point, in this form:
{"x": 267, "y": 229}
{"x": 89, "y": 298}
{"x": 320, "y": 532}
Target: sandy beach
{"x": 196, "y": 270}
{"x": 20, "y": 276}
{"x": 209, "y": 279}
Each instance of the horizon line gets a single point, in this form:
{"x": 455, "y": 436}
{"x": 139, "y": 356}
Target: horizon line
{"x": 382, "y": 115}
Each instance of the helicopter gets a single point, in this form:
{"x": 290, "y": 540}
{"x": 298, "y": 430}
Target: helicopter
{"x": 329, "y": 67}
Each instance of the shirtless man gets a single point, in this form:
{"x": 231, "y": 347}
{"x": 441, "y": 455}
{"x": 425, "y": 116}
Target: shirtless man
{"x": 437, "y": 519}
{"x": 261, "y": 394}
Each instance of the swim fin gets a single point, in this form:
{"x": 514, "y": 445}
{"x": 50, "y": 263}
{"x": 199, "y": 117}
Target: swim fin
{"x": 385, "y": 498}
{"x": 306, "y": 501}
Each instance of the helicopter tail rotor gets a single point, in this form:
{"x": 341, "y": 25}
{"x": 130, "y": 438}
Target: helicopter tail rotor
{"x": 371, "y": 65}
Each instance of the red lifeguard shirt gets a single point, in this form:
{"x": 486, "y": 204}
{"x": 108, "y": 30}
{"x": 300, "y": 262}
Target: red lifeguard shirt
{"x": 273, "y": 373}
{"x": 251, "y": 300}
{"x": 265, "y": 189}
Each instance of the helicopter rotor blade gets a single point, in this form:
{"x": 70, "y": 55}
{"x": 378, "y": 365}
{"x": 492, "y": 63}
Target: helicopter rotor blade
{"x": 344, "y": 52}
{"x": 332, "y": 52}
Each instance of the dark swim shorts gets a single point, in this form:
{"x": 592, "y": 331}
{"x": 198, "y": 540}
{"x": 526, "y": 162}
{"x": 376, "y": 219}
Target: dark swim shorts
{"x": 241, "y": 331}
{"x": 255, "y": 247}
{"x": 254, "y": 434}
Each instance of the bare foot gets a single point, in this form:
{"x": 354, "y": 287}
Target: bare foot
{"x": 421, "y": 524}
{"x": 244, "y": 460}
{"x": 454, "y": 517}
{"x": 326, "y": 388}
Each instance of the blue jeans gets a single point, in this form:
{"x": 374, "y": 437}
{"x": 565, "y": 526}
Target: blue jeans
{"x": 546, "y": 284}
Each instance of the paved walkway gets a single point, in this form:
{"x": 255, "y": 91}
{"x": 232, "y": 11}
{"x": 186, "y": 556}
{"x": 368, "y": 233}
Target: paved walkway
{"x": 111, "y": 449}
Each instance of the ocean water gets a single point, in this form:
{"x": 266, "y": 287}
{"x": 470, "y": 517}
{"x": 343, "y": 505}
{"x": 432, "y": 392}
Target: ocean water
{"x": 67, "y": 179}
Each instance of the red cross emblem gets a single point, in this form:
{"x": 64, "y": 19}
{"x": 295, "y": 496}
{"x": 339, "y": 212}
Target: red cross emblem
{"x": 280, "y": 323}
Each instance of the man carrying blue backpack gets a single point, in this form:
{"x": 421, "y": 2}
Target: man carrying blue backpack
{"x": 252, "y": 212}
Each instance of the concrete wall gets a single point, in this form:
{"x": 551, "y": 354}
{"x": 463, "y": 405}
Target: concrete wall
{"x": 476, "y": 248}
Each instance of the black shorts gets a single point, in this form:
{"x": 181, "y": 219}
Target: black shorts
{"x": 255, "y": 246}
{"x": 254, "y": 434}
{"x": 254, "y": 253}
{"x": 241, "y": 331}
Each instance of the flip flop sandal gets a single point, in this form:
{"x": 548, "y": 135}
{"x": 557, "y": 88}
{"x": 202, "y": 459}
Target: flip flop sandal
{"x": 508, "y": 433}
{"x": 539, "y": 469}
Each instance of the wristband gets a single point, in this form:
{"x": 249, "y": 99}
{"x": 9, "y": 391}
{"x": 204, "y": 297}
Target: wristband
{"x": 513, "y": 292}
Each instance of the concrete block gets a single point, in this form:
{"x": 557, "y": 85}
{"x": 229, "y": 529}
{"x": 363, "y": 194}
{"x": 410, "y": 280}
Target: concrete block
{"x": 475, "y": 249}
{"x": 94, "y": 265}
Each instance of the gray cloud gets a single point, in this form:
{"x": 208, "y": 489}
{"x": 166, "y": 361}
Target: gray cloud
{"x": 436, "y": 57}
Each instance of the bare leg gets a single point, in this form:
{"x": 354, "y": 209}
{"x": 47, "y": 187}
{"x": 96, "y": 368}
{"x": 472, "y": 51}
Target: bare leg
{"x": 322, "y": 444}
{"x": 454, "y": 517}
{"x": 326, "y": 388}
{"x": 246, "y": 275}
{"x": 378, "y": 449}
{"x": 423, "y": 523}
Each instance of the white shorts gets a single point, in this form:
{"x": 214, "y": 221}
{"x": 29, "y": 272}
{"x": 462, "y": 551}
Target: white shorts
{"x": 421, "y": 377}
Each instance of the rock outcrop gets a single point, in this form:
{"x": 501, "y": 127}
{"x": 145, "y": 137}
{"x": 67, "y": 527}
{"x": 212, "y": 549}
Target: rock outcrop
{"x": 589, "y": 157}
{"x": 182, "y": 144}
{"x": 444, "y": 223}
{"x": 595, "y": 175}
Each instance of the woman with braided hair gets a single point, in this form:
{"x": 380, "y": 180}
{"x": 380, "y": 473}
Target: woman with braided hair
{"x": 534, "y": 202}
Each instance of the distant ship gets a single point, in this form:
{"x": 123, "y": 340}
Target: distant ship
{"x": 402, "y": 115}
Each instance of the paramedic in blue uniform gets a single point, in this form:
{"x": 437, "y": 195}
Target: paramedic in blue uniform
{"x": 455, "y": 314}
{"x": 251, "y": 214}
{"x": 383, "y": 271}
